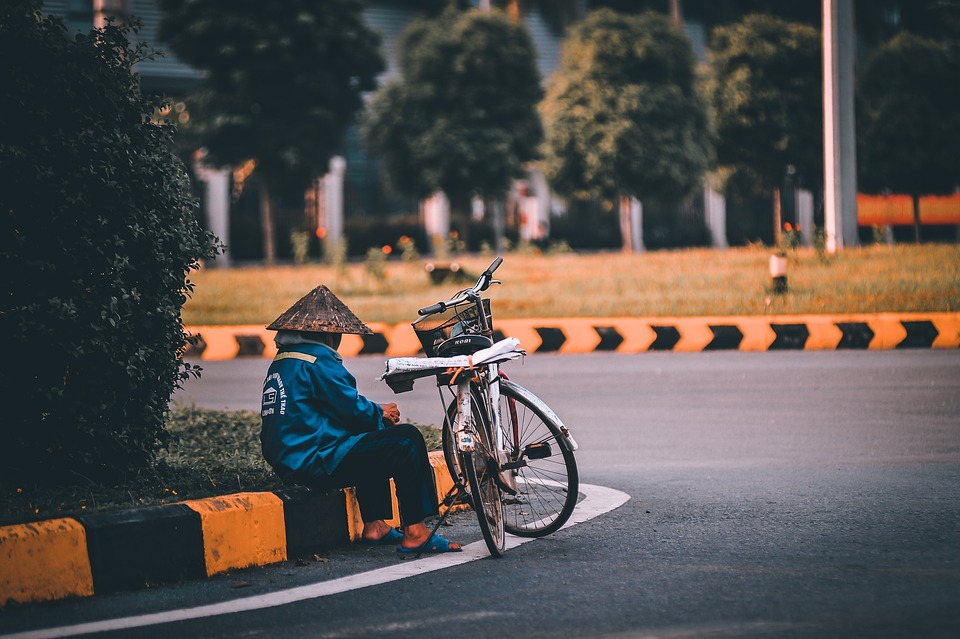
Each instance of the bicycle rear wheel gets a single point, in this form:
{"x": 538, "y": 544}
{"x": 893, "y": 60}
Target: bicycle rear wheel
{"x": 540, "y": 460}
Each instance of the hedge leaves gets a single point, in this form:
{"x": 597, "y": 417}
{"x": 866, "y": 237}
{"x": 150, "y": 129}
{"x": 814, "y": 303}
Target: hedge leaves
{"x": 98, "y": 236}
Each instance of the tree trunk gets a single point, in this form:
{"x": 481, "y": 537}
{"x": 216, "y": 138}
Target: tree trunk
{"x": 266, "y": 225}
{"x": 626, "y": 234}
{"x": 460, "y": 208}
{"x": 777, "y": 218}
{"x": 916, "y": 219}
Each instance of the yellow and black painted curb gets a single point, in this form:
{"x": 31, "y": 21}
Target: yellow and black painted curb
{"x": 108, "y": 552}
{"x": 633, "y": 335}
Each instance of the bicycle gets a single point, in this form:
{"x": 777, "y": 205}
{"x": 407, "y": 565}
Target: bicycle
{"x": 508, "y": 453}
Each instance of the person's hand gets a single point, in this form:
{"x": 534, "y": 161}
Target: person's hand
{"x": 391, "y": 414}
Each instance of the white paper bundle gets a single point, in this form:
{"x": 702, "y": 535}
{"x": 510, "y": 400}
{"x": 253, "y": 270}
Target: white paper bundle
{"x": 504, "y": 350}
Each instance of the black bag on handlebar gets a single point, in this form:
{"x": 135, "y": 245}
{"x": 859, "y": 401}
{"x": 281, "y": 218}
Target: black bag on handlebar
{"x": 434, "y": 330}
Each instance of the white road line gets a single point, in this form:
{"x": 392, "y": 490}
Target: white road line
{"x": 597, "y": 501}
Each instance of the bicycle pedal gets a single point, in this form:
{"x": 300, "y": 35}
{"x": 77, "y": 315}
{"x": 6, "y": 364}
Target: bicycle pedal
{"x": 539, "y": 450}
{"x": 506, "y": 477}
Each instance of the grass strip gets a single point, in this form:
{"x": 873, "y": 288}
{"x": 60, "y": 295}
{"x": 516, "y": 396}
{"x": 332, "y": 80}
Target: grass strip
{"x": 684, "y": 283}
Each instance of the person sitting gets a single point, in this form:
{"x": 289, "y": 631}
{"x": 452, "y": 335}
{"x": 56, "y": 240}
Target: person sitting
{"x": 319, "y": 431}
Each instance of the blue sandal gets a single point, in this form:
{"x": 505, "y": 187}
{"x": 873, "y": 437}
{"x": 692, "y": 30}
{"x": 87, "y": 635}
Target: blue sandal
{"x": 434, "y": 545}
{"x": 392, "y": 537}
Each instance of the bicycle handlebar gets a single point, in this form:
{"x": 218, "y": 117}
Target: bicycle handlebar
{"x": 483, "y": 283}
{"x": 439, "y": 307}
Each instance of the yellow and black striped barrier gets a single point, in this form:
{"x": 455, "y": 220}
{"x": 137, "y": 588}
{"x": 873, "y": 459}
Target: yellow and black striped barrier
{"x": 112, "y": 551}
{"x": 633, "y": 335}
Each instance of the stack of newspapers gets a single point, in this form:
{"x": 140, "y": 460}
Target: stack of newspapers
{"x": 401, "y": 371}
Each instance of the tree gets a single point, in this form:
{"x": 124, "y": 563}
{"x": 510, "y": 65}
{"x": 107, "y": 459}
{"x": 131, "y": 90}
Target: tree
{"x": 766, "y": 89}
{"x": 908, "y": 125}
{"x": 282, "y": 81}
{"x": 881, "y": 20}
{"x": 97, "y": 238}
{"x": 462, "y": 118}
{"x": 622, "y": 113}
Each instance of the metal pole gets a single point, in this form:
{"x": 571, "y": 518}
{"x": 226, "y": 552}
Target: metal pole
{"x": 839, "y": 125}
{"x": 217, "y": 201}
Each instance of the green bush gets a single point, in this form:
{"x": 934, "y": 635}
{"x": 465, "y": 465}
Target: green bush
{"x": 98, "y": 237}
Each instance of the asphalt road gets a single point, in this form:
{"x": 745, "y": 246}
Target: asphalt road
{"x": 802, "y": 494}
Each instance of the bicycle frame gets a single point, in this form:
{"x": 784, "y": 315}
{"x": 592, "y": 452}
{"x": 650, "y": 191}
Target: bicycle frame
{"x": 465, "y": 428}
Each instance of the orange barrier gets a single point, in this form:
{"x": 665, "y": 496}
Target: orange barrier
{"x": 44, "y": 560}
{"x": 246, "y": 529}
{"x": 897, "y": 210}
{"x": 639, "y": 334}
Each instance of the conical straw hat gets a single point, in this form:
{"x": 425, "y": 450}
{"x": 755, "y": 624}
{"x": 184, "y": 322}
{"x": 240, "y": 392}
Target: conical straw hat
{"x": 320, "y": 311}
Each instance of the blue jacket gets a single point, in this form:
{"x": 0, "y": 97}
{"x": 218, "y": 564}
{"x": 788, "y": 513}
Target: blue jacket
{"x": 312, "y": 413}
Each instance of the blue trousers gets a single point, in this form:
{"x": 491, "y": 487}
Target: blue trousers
{"x": 396, "y": 452}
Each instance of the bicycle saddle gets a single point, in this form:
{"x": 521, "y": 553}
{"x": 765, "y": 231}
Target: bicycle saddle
{"x": 463, "y": 345}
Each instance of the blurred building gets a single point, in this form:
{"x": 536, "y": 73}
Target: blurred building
{"x": 165, "y": 74}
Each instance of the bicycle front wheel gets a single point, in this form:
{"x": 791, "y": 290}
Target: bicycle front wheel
{"x": 477, "y": 471}
{"x": 541, "y": 460}
{"x": 480, "y": 470}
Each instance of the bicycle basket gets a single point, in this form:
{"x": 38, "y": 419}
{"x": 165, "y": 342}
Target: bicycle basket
{"x": 462, "y": 319}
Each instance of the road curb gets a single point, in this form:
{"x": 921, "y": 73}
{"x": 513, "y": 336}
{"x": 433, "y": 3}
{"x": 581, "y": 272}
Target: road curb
{"x": 196, "y": 539}
{"x": 632, "y": 335}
